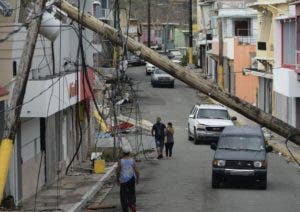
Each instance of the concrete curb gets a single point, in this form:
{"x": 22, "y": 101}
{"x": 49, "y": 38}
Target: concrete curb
{"x": 90, "y": 194}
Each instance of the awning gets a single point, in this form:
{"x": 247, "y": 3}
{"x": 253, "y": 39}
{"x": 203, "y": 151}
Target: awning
{"x": 204, "y": 42}
{"x": 268, "y": 5}
{"x": 257, "y": 72}
{"x": 3, "y": 93}
{"x": 212, "y": 55}
{"x": 264, "y": 59}
{"x": 284, "y": 17}
{"x": 237, "y": 13}
{"x": 215, "y": 56}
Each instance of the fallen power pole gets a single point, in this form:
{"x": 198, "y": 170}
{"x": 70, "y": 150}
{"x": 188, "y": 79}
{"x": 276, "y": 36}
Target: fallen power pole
{"x": 16, "y": 101}
{"x": 179, "y": 72}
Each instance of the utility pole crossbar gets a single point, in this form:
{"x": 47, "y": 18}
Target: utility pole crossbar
{"x": 188, "y": 77}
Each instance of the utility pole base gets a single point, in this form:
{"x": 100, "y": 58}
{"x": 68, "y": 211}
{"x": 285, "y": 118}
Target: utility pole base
{"x": 6, "y": 150}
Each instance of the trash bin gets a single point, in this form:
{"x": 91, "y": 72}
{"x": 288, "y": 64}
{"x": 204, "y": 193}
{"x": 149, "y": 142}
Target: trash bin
{"x": 99, "y": 166}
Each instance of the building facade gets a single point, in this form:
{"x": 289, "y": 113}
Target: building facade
{"x": 57, "y": 101}
{"x": 286, "y": 70}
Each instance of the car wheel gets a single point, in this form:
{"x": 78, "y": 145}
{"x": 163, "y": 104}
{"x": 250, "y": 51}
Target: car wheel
{"x": 196, "y": 141}
{"x": 153, "y": 85}
{"x": 215, "y": 181}
{"x": 172, "y": 85}
{"x": 190, "y": 138}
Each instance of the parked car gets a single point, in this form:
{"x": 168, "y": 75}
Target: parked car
{"x": 174, "y": 54}
{"x": 135, "y": 60}
{"x": 240, "y": 153}
{"x": 149, "y": 68}
{"x": 207, "y": 121}
{"x": 161, "y": 78}
{"x": 176, "y": 61}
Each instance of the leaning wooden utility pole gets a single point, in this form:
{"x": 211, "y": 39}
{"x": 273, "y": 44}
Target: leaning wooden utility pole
{"x": 181, "y": 73}
{"x": 220, "y": 74}
{"x": 13, "y": 118}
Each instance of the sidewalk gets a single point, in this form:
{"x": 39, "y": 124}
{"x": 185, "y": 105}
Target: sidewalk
{"x": 72, "y": 192}
{"x": 275, "y": 140}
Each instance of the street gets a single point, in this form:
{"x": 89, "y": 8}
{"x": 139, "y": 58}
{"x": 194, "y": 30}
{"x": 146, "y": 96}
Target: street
{"x": 184, "y": 182}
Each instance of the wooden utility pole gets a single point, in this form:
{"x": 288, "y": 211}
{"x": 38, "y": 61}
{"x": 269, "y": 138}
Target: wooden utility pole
{"x": 220, "y": 74}
{"x": 13, "y": 118}
{"x": 149, "y": 23}
{"x": 190, "y": 15}
{"x": 188, "y": 77}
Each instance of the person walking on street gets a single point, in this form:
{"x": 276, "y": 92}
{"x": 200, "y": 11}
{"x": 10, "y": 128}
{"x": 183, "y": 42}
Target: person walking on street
{"x": 158, "y": 131}
{"x": 127, "y": 176}
{"x": 169, "y": 141}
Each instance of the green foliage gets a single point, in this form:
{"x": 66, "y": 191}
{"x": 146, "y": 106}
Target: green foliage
{"x": 184, "y": 60}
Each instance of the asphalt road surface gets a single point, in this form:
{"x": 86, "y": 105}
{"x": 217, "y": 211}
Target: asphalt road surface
{"x": 184, "y": 182}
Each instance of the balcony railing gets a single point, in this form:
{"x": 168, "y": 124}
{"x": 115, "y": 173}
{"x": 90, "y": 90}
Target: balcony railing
{"x": 247, "y": 40}
{"x": 104, "y": 14}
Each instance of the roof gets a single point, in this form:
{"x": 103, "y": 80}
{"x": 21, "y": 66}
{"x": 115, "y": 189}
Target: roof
{"x": 243, "y": 130}
{"x": 211, "y": 106}
{"x": 237, "y": 13}
{"x": 3, "y": 92}
{"x": 266, "y": 3}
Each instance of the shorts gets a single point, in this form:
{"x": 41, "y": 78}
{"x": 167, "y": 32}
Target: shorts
{"x": 159, "y": 144}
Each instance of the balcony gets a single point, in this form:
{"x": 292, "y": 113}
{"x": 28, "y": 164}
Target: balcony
{"x": 246, "y": 40}
{"x": 104, "y": 14}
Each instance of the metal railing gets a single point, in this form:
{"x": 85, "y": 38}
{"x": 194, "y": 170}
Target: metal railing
{"x": 247, "y": 40}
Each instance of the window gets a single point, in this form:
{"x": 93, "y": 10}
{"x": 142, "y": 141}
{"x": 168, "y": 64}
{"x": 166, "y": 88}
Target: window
{"x": 288, "y": 42}
{"x": 298, "y": 32}
{"x": 298, "y": 42}
{"x": 261, "y": 45}
{"x": 236, "y": 142}
{"x": 213, "y": 114}
{"x": 242, "y": 27}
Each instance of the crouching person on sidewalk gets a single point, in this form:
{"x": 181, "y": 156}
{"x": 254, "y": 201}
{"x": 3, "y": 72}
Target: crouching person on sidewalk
{"x": 127, "y": 176}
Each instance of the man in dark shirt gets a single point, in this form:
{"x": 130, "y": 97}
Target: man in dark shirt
{"x": 158, "y": 131}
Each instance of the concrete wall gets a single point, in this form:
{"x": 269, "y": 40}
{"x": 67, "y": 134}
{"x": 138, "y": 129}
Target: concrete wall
{"x": 286, "y": 83}
{"x": 5, "y": 47}
{"x": 245, "y": 86}
{"x": 31, "y": 156}
{"x": 268, "y": 31}
{"x": 285, "y": 108}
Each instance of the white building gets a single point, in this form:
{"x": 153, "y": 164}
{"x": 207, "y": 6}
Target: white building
{"x": 57, "y": 101}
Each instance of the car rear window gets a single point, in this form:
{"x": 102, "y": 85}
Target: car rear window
{"x": 212, "y": 114}
{"x": 241, "y": 143}
{"x": 159, "y": 71}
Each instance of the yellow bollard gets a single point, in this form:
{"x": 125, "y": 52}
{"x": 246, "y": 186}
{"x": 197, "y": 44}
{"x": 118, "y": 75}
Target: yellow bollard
{"x": 190, "y": 55}
{"x": 6, "y": 149}
{"x": 99, "y": 166}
